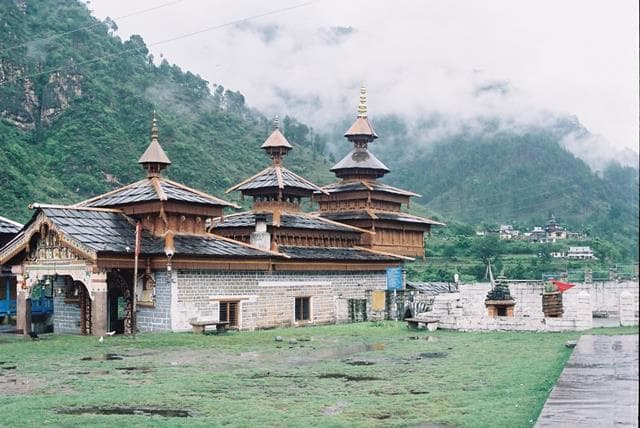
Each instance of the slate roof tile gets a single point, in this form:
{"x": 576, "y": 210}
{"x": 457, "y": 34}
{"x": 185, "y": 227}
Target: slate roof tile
{"x": 333, "y": 253}
{"x": 9, "y": 226}
{"x": 145, "y": 191}
{"x": 116, "y": 232}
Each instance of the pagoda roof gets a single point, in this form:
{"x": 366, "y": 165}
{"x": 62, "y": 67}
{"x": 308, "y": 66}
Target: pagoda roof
{"x": 8, "y": 226}
{"x": 154, "y": 154}
{"x": 360, "y": 158}
{"x": 150, "y": 189}
{"x": 368, "y": 185}
{"x": 380, "y": 215}
{"x": 291, "y": 220}
{"x": 276, "y": 139}
{"x": 107, "y": 231}
{"x": 361, "y": 127}
{"x": 276, "y": 176}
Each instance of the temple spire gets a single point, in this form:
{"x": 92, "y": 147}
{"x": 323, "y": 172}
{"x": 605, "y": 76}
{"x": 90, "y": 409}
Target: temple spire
{"x": 154, "y": 159}
{"x": 154, "y": 127}
{"x": 362, "y": 107}
{"x": 276, "y": 145}
{"x": 361, "y": 132}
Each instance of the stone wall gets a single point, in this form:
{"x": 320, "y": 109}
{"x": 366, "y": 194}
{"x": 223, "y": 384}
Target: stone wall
{"x": 466, "y": 310}
{"x": 66, "y": 316}
{"x": 605, "y": 295}
{"x": 157, "y": 318}
{"x": 268, "y": 299}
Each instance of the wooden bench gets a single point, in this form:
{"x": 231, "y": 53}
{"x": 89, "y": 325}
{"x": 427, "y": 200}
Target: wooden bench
{"x": 430, "y": 323}
{"x": 199, "y": 326}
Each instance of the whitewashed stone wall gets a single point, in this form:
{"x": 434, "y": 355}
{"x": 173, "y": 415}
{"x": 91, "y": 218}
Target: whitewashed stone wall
{"x": 628, "y": 309}
{"x": 268, "y": 299}
{"x": 605, "y": 296}
{"x": 466, "y": 310}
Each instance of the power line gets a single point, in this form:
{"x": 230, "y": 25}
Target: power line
{"x": 57, "y": 35}
{"x": 172, "y": 39}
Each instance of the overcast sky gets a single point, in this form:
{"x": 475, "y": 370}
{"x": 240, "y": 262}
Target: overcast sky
{"x": 461, "y": 58}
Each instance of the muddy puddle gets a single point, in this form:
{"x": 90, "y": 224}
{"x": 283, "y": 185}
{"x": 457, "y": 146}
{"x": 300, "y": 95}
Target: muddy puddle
{"x": 359, "y": 362}
{"x": 344, "y": 376}
{"x": 337, "y": 353}
{"x": 351, "y": 378}
{"x": 105, "y": 357}
{"x": 141, "y": 411}
{"x": 432, "y": 355}
{"x": 133, "y": 369}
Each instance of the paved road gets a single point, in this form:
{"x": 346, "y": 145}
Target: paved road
{"x": 598, "y": 386}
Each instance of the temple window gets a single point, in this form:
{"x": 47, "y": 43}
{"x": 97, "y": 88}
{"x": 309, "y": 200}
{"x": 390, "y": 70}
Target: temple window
{"x": 303, "y": 309}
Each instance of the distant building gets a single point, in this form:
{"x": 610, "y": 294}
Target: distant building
{"x": 538, "y": 234}
{"x": 554, "y": 231}
{"x": 507, "y": 231}
{"x": 580, "y": 253}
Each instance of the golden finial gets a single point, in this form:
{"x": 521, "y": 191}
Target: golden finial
{"x": 362, "y": 107}
{"x": 276, "y": 123}
{"x": 154, "y": 127}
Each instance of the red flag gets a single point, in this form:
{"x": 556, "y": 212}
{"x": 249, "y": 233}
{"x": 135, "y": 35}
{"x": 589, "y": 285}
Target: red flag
{"x": 562, "y": 286}
{"x": 138, "y": 236}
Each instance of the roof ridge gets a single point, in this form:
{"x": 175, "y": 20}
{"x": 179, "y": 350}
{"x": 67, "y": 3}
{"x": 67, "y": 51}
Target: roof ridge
{"x": 73, "y": 207}
{"x": 410, "y": 215}
{"x": 157, "y": 187}
{"x": 278, "y": 170}
{"x": 199, "y": 192}
{"x": 384, "y": 253}
{"x": 337, "y": 223}
{"x": 109, "y": 193}
{"x": 14, "y": 223}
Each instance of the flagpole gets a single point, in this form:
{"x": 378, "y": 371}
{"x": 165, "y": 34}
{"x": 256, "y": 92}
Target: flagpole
{"x": 135, "y": 281}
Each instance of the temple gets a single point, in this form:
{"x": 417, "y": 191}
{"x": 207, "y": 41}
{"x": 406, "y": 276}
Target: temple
{"x": 276, "y": 221}
{"x": 361, "y": 200}
{"x": 271, "y": 266}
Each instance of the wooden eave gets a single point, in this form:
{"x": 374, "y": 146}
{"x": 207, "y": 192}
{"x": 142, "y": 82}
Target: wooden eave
{"x": 361, "y": 194}
{"x": 174, "y": 207}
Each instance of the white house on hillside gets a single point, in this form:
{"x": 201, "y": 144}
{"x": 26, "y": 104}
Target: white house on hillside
{"x": 580, "y": 253}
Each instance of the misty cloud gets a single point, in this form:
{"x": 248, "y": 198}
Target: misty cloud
{"x": 521, "y": 62}
{"x": 265, "y": 32}
{"x": 337, "y": 34}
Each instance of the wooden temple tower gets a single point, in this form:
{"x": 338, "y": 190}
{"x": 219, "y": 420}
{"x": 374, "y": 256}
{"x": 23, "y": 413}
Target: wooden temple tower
{"x": 360, "y": 200}
{"x": 276, "y": 220}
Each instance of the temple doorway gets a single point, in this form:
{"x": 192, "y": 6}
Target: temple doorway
{"x": 119, "y": 301}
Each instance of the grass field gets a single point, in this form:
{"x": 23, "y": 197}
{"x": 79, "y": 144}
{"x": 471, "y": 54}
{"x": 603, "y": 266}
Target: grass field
{"x": 368, "y": 374}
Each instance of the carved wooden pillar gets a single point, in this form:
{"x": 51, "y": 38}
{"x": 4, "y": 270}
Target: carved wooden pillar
{"x": 23, "y": 306}
{"x": 99, "y": 306}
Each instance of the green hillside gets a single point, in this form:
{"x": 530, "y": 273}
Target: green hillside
{"x": 498, "y": 174}
{"x": 76, "y": 113}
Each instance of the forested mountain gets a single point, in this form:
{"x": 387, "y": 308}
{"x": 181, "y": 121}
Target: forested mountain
{"x": 75, "y": 111}
{"x": 495, "y": 172}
